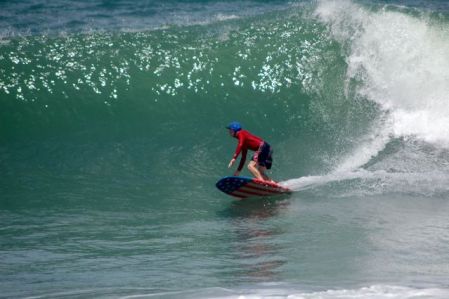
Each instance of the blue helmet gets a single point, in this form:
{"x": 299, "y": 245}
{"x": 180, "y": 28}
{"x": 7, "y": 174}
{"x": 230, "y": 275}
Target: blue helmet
{"x": 234, "y": 126}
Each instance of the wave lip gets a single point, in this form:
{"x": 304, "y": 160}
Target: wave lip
{"x": 400, "y": 62}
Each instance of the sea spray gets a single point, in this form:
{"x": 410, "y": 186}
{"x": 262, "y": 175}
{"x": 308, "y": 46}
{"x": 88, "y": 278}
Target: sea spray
{"x": 400, "y": 62}
{"x": 396, "y": 61}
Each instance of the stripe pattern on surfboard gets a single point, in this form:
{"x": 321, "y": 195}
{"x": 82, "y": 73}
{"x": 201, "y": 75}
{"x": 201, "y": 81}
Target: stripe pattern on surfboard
{"x": 244, "y": 187}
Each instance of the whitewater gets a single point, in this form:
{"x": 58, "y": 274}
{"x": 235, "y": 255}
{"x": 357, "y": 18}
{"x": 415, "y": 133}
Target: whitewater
{"x": 402, "y": 65}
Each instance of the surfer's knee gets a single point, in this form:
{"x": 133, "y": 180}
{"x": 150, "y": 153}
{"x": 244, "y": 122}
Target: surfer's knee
{"x": 252, "y": 165}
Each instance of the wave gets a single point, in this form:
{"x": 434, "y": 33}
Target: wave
{"x": 340, "y": 89}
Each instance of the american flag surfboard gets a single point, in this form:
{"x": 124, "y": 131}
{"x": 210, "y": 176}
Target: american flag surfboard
{"x": 244, "y": 187}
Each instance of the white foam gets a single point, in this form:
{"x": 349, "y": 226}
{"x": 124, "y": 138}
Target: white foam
{"x": 402, "y": 63}
{"x": 265, "y": 291}
{"x": 369, "y": 292}
{"x": 369, "y": 146}
{"x": 430, "y": 126}
{"x": 369, "y": 183}
{"x": 309, "y": 182}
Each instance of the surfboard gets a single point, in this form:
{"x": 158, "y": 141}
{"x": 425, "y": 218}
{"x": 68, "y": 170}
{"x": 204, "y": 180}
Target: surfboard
{"x": 245, "y": 187}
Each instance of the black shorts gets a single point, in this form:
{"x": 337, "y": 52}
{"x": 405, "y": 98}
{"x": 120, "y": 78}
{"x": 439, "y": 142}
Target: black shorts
{"x": 263, "y": 156}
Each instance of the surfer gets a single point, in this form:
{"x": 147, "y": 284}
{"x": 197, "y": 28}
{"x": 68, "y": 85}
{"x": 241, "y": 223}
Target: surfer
{"x": 262, "y": 158}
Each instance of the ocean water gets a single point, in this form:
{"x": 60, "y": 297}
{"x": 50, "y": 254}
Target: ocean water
{"x": 112, "y": 117}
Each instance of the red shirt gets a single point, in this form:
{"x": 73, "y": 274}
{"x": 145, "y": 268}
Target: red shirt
{"x": 246, "y": 141}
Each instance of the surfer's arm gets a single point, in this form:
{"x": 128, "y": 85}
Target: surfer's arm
{"x": 239, "y": 148}
{"x": 242, "y": 160}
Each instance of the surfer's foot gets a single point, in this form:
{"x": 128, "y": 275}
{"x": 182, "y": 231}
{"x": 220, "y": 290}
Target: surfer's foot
{"x": 267, "y": 179}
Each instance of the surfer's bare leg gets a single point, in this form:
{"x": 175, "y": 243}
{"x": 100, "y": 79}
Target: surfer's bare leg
{"x": 262, "y": 170}
{"x": 252, "y": 167}
{"x": 259, "y": 171}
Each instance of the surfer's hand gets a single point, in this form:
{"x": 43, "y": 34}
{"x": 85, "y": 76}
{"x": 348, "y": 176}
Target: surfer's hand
{"x": 236, "y": 173}
{"x": 231, "y": 163}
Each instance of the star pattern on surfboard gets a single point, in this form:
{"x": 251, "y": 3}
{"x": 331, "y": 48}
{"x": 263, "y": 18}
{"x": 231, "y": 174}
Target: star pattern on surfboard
{"x": 229, "y": 186}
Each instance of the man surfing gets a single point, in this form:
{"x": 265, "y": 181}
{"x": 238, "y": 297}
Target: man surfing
{"x": 262, "y": 158}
